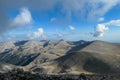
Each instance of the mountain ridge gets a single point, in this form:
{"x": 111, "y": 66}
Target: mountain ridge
{"x": 63, "y": 56}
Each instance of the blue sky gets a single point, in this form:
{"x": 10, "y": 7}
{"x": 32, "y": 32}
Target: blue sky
{"x": 60, "y": 19}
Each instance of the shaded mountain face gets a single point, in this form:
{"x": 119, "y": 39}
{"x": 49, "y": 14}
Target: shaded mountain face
{"x": 62, "y": 56}
{"x": 95, "y": 57}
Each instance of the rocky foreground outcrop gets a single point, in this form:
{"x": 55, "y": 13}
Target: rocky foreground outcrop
{"x": 19, "y": 74}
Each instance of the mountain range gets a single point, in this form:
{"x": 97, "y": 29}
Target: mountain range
{"x": 56, "y": 57}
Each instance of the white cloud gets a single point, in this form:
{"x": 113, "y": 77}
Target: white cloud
{"x": 23, "y": 18}
{"x": 84, "y": 8}
{"x": 100, "y": 30}
{"x": 101, "y": 19}
{"x": 38, "y": 34}
{"x": 59, "y": 34}
{"x": 71, "y": 27}
{"x": 113, "y": 23}
{"x": 101, "y": 7}
{"x": 94, "y": 8}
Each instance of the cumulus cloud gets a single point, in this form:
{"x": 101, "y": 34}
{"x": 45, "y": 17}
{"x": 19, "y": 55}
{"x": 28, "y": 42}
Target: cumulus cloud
{"x": 23, "y": 18}
{"x": 38, "y": 34}
{"x": 101, "y": 29}
{"x": 7, "y": 24}
{"x": 63, "y": 35}
{"x": 71, "y": 27}
{"x": 87, "y": 9}
{"x": 84, "y": 8}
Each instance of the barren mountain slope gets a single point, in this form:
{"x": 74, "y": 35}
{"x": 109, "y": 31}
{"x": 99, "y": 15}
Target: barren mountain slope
{"x": 94, "y": 57}
{"x": 97, "y": 57}
{"x": 63, "y": 56}
{"x": 4, "y": 67}
{"x": 52, "y": 50}
{"x": 22, "y": 53}
{"x": 6, "y": 45}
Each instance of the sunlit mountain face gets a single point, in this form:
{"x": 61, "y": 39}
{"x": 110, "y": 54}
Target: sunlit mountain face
{"x": 70, "y": 20}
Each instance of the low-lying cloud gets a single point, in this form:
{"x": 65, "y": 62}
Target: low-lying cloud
{"x": 39, "y": 34}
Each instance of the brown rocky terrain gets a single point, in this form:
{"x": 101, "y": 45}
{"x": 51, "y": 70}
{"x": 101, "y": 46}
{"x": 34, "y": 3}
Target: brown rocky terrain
{"x": 61, "y": 57}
